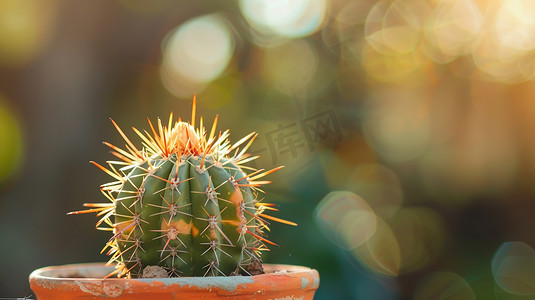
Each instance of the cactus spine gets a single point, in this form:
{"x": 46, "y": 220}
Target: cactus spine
{"x": 183, "y": 203}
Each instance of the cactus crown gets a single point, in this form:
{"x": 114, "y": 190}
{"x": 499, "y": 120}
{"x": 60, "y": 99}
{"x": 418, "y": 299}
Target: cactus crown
{"x": 183, "y": 203}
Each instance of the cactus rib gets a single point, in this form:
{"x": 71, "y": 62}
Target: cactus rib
{"x": 183, "y": 202}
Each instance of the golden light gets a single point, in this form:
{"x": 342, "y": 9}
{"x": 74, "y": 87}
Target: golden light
{"x": 501, "y": 63}
{"x": 294, "y": 18}
{"x": 503, "y": 53}
{"x": 395, "y": 28}
{"x": 453, "y": 27}
{"x": 515, "y": 24}
{"x": 497, "y": 34}
{"x": 196, "y": 53}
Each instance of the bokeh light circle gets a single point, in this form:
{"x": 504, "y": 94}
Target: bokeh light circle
{"x": 453, "y": 27}
{"x": 513, "y": 268}
{"x": 496, "y": 35}
{"x": 381, "y": 253}
{"x": 294, "y": 18}
{"x": 394, "y": 28}
{"x": 345, "y": 219}
{"x": 196, "y": 53}
{"x": 515, "y": 25}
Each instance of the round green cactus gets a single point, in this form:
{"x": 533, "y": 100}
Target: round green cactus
{"x": 183, "y": 203}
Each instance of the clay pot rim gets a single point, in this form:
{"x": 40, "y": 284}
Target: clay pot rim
{"x": 295, "y": 281}
{"x": 60, "y": 273}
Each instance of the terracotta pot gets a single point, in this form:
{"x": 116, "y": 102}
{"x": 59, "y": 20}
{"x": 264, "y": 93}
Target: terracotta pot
{"x": 85, "y": 281}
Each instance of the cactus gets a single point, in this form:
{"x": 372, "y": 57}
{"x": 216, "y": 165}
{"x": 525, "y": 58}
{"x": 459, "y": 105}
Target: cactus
{"x": 184, "y": 203}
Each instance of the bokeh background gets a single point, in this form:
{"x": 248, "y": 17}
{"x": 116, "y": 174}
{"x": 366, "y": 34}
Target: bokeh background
{"x": 407, "y": 128}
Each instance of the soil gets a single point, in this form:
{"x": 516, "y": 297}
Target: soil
{"x": 255, "y": 268}
{"x": 154, "y": 272}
